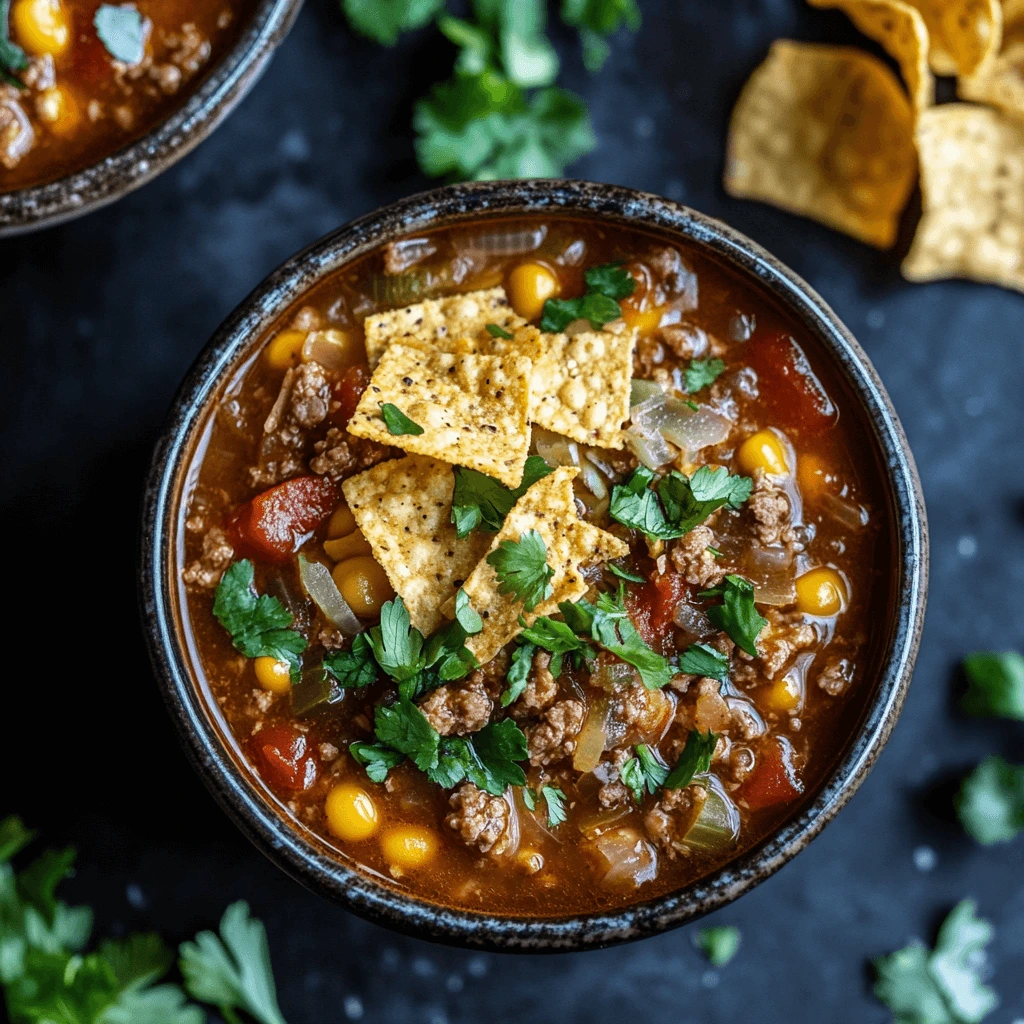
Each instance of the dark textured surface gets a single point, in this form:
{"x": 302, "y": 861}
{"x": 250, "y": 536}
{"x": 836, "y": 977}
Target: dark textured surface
{"x": 100, "y": 320}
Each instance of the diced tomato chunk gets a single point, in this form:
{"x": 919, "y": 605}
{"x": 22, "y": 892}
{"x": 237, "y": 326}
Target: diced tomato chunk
{"x": 775, "y": 779}
{"x": 790, "y": 392}
{"x": 347, "y": 391}
{"x": 284, "y": 759}
{"x": 652, "y": 608}
{"x": 274, "y": 524}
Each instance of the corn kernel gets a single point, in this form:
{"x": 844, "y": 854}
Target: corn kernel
{"x": 60, "y": 110}
{"x": 41, "y": 26}
{"x": 347, "y": 547}
{"x": 285, "y": 351}
{"x": 363, "y": 584}
{"x": 530, "y": 285}
{"x": 821, "y": 591}
{"x": 763, "y": 450}
{"x": 784, "y": 695}
{"x": 351, "y": 812}
{"x": 273, "y": 675}
{"x": 409, "y": 846}
{"x": 341, "y": 523}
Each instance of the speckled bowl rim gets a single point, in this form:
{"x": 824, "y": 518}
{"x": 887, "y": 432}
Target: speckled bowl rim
{"x": 283, "y": 843}
{"x": 102, "y": 183}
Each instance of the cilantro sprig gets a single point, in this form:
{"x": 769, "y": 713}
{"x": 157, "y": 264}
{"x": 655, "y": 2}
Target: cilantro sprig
{"x": 694, "y": 760}
{"x": 702, "y": 373}
{"x": 257, "y": 623}
{"x": 990, "y": 803}
{"x": 995, "y": 684}
{"x": 522, "y": 569}
{"x": 644, "y": 771}
{"x": 384, "y": 22}
{"x": 719, "y": 944}
{"x": 606, "y": 285}
{"x": 703, "y": 660}
{"x": 397, "y": 422}
{"x": 736, "y": 615}
{"x": 518, "y": 672}
{"x": 479, "y": 502}
{"x": 596, "y": 20}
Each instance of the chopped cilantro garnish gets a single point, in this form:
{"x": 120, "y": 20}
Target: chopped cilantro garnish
{"x": 702, "y": 373}
{"x": 518, "y": 673}
{"x": 719, "y": 944}
{"x": 522, "y": 569}
{"x": 736, "y": 615}
{"x": 495, "y": 331}
{"x": 991, "y": 801}
{"x": 396, "y": 644}
{"x": 376, "y": 758}
{"x": 716, "y": 552}
{"x": 613, "y": 629}
{"x": 645, "y": 771}
{"x": 624, "y": 574}
{"x": 605, "y": 286}
{"x": 354, "y": 668}
{"x": 397, "y": 422}
{"x": 122, "y": 30}
{"x": 597, "y": 19}
{"x": 694, "y": 760}
{"x": 702, "y": 660}
{"x": 692, "y": 405}
{"x": 258, "y": 623}
{"x": 995, "y": 684}
{"x": 555, "y": 799}
{"x": 481, "y": 502}
{"x": 12, "y": 57}
{"x": 529, "y": 798}
{"x": 404, "y": 728}
{"x": 385, "y": 20}
{"x": 944, "y": 985}
{"x": 558, "y": 638}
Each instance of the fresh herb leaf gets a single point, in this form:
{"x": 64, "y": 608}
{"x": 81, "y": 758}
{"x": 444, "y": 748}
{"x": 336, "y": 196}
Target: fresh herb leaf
{"x": 645, "y": 771}
{"x": 527, "y": 57}
{"x": 498, "y": 332}
{"x": 736, "y": 614}
{"x": 702, "y": 660}
{"x": 354, "y": 668}
{"x": 529, "y": 798}
{"x": 693, "y": 405}
{"x": 613, "y": 629}
{"x": 480, "y": 501}
{"x": 991, "y": 801}
{"x": 606, "y": 284}
{"x": 995, "y": 684}
{"x": 597, "y": 19}
{"x": 625, "y": 574}
{"x": 522, "y": 569}
{"x": 466, "y": 615}
{"x": 499, "y": 746}
{"x": 555, "y": 800}
{"x": 122, "y": 30}
{"x": 635, "y": 505}
{"x": 702, "y": 373}
{"x": 376, "y": 758}
{"x": 403, "y": 727}
{"x": 719, "y": 944}
{"x": 397, "y": 422}
{"x": 12, "y": 57}
{"x": 944, "y": 985}
{"x": 396, "y": 644}
{"x": 611, "y": 280}
{"x": 556, "y": 637}
{"x": 446, "y": 652}
{"x": 384, "y": 20}
{"x": 694, "y": 760}
{"x": 518, "y": 673}
{"x": 257, "y": 623}
{"x": 14, "y": 837}
{"x": 716, "y": 552}
{"x": 232, "y": 970}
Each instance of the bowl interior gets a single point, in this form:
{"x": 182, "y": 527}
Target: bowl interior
{"x": 261, "y": 816}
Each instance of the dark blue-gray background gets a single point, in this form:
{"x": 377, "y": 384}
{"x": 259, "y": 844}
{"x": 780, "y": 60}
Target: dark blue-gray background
{"x": 99, "y": 320}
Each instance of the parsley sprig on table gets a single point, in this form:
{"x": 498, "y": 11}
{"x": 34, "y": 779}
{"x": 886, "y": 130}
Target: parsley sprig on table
{"x": 479, "y": 502}
{"x": 719, "y": 944}
{"x": 522, "y": 569}
{"x": 606, "y": 285}
{"x": 995, "y": 684}
{"x": 990, "y": 803}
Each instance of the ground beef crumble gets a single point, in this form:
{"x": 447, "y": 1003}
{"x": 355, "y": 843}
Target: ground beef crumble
{"x": 339, "y": 456}
{"x": 480, "y": 819}
{"x": 673, "y": 815}
{"x": 541, "y": 688}
{"x": 554, "y": 736}
{"x": 216, "y": 556}
{"x": 690, "y": 555}
{"x": 458, "y": 708}
{"x": 769, "y": 507}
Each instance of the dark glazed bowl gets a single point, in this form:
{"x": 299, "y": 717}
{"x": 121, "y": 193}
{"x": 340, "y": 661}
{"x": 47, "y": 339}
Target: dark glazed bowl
{"x": 299, "y": 852}
{"x": 224, "y": 86}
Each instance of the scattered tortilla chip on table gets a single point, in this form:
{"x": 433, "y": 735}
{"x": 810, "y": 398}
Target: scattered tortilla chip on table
{"x": 474, "y": 410}
{"x": 899, "y": 28}
{"x": 581, "y": 385}
{"x": 457, "y": 323}
{"x": 403, "y": 508}
{"x": 549, "y": 508}
{"x": 972, "y": 189}
{"x": 826, "y": 132}
{"x": 1000, "y": 79}
{"x": 962, "y": 33}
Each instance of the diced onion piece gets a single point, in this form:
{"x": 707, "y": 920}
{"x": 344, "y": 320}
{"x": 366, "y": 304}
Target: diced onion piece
{"x": 595, "y": 823}
{"x": 700, "y": 429}
{"x": 652, "y": 450}
{"x": 499, "y": 243}
{"x": 718, "y": 824}
{"x": 555, "y": 449}
{"x": 771, "y": 571}
{"x": 407, "y": 253}
{"x": 693, "y": 622}
{"x": 613, "y": 676}
{"x": 593, "y": 480}
{"x": 390, "y": 290}
{"x": 593, "y": 736}
{"x": 320, "y": 586}
{"x": 630, "y": 859}
{"x": 332, "y": 349}
{"x": 846, "y": 513}
{"x": 642, "y": 390}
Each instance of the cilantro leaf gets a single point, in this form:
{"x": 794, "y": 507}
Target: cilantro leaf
{"x": 257, "y": 623}
{"x": 719, "y": 944}
{"x": 597, "y": 19}
{"x": 991, "y": 801}
{"x": 397, "y": 422}
{"x": 122, "y": 30}
{"x": 702, "y": 373}
{"x": 529, "y": 798}
{"x": 405, "y": 728}
{"x": 499, "y": 746}
{"x": 384, "y": 20}
{"x": 377, "y": 759}
{"x": 944, "y": 985}
{"x": 702, "y": 660}
{"x": 232, "y": 970}
{"x": 14, "y": 837}
{"x": 995, "y": 684}
{"x": 495, "y": 331}
{"x": 635, "y": 505}
{"x": 613, "y": 629}
{"x": 556, "y": 637}
{"x": 694, "y": 760}
{"x": 396, "y": 644}
{"x": 625, "y": 574}
{"x": 593, "y": 306}
{"x": 518, "y": 673}
{"x": 12, "y": 57}
{"x": 446, "y": 650}
{"x": 527, "y": 56}
{"x": 522, "y": 569}
{"x": 480, "y": 501}
{"x": 644, "y": 771}
{"x": 555, "y": 799}
{"x": 736, "y": 615}
{"x": 610, "y": 280}
{"x": 354, "y": 668}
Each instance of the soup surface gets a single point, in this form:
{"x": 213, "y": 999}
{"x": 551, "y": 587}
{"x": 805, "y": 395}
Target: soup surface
{"x": 555, "y": 685}
{"x": 80, "y": 79}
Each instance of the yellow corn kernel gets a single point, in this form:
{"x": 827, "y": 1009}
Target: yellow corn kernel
{"x": 273, "y": 675}
{"x": 530, "y": 285}
{"x": 285, "y": 351}
{"x": 646, "y": 321}
{"x": 821, "y": 591}
{"x": 58, "y": 107}
{"x": 363, "y": 584}
{"x": 531, "y": 861}
{"x": 409, "y": 846}
{"x": 347, "y": 547}
{"x": 763, "y": 450}
{"x": 41, "y": 26}
{"x": 341, "y": 523}
{"x": 784, "y": 695}
{"x": 351, "y": 813}
{"x": 813, "y": 476}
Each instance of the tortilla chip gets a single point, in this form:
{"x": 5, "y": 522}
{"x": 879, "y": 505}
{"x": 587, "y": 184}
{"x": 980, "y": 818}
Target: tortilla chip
{"x": 1000, "y": 79}
{"x": 900, "y": 28}
{"x": 403, "y": 508}
{"x": 457, "y": 323}
{"x": 549, "y": 508}
{"x": 474, "y": 410}
{"x": 963, "y": 33}
{"x": 580, "y": 385}
{"x": 826, "y": 132}
{"x": 972, "y": 195}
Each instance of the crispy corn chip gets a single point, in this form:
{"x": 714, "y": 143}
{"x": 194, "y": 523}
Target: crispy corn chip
{"x": 900, "y": 28}
{"x": 963, "y": 33}
{"x": 826, "y": 132}
{"x": 454, "y": 324}
{"x": 403, "y": 508}
{"x": 1000, "y": 79}
{"x": 549, "y": 508}
{"x": 972, "y": 189}
{"x": 474, "y": 410}
{"x": 580, "y": 385}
